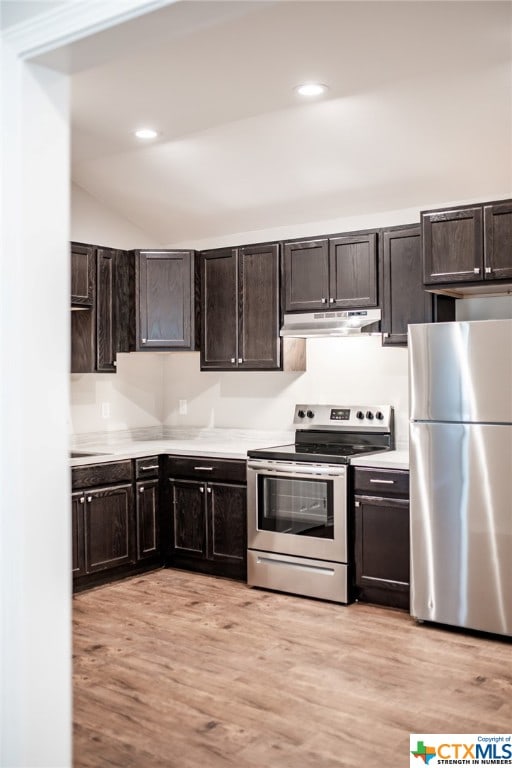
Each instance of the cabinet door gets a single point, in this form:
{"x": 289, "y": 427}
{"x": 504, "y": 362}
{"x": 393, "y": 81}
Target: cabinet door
{"x": 83, "y": 327}
{"x": 105, "y": 331}
{"x": 82, "y": 274}
{"x": 77, "y": 534}
{"x": 498, "y": 241}
{"x": 146, "y": 502}
{"x": 227, "y": 523}
{"x": 353, "y": 271}
{"x": 452, "y": 245}
{"x": 165, "y": 300}
{"x": 189, "y": 517}
{"x": 382, "y": 549}
{"x": 109, "y": 528}
{"x": 404, "y": 300}
{"x": 219, "y": 316}
{"x": 259, "y": 344}
{"x": 306, "y": 275}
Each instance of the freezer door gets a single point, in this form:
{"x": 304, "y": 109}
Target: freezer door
{"x": 461, "y": 525}
{"x": 461, "y": 371}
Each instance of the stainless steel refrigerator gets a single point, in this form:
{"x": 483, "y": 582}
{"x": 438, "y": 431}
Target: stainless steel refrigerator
{"x": 460, "y": 390}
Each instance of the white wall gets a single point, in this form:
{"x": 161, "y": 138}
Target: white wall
{"x": 135, "y": 393}
{"x": 339, "y": 371}
{"x": 93, "y": 222}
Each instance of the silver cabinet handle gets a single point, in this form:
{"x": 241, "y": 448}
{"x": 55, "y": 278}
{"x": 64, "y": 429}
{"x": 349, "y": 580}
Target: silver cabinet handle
{"x": 82, "y": 500}
{"x": 89, "y": 498}
{"x": 208, "y": 489}
{"x": 357, "y": 504}
{"x": 488, "y": 270}
{"x": 240, "y": 360}
{"x": 150, "y": 466}
{"x": 205, "y": 469}
{"x": 331, "y": 301}
{"x": 114, "y": 363}
{"x": 386, "y": 482}
{"x": 324, "y": 301}
{"x": 143, "y": 341}
{"x": 233, "y": 360}
{"x": 386, "y": 335}
{"x": 476, "y": 270}
{"x": 141, "y": 489}
{"x": 201, "y": 489}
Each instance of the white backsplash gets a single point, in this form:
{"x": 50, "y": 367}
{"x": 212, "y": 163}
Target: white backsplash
{"x": 339, "y": 371}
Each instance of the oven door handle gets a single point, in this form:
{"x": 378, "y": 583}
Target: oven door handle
{"x": 297, "y": 469}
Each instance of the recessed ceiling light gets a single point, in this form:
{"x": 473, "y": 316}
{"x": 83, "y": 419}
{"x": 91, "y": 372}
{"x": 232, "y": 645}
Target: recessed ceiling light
{"x": 146, "y": 133}
{"x": 311, "y": 89}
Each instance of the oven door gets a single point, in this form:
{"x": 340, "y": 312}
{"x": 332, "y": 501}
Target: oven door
{"x": 297, "y": 509}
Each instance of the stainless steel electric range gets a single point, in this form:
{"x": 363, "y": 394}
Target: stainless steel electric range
{"x": 297, "y": 499}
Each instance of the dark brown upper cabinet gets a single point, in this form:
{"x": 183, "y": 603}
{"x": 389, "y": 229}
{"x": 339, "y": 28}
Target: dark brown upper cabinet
{"x": 331, "y": 273}
{"x": 165, "y": 300}
{"x": 82, "y": 274}
{"x": 99, "y": 332}
{"x": 403, "y": 297}
{"x": 498, "y": 240}
{"x": 470, "y": 244}
{"x": 240, "y": 308}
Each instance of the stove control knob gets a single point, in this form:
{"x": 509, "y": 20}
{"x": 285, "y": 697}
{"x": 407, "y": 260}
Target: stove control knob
{"x": 369, "y": 415}
{"x": 359, "y": 415}
{"x": 310, "y": 414}
{"x": 379, "y": 415}
{"x": 301, "y": 414}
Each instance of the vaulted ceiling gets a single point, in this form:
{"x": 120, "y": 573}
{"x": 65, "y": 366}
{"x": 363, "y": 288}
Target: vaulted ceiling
{"x": 418, "y": 112}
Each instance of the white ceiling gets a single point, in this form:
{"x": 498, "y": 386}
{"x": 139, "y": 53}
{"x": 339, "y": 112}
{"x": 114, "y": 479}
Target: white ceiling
{"x": 418, "y": 112}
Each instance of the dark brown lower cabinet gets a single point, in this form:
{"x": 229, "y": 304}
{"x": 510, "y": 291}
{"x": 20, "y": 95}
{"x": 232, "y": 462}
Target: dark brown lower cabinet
{"x": 208, "y": 522}
{"x": 147, "y": 510}
{"x": 381, "y": 517}
{"x": 115, "y": 527}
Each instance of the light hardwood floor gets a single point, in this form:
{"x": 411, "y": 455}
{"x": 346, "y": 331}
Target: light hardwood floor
{"x": 180, "y": 670}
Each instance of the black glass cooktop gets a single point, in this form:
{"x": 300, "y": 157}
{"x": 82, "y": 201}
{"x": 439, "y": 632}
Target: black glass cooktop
{"x": 330, "y": 453}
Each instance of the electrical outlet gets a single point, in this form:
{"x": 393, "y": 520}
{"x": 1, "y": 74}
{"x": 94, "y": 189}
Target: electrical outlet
{"x": 105, "y": 410}
{"x": 183, "y": 407}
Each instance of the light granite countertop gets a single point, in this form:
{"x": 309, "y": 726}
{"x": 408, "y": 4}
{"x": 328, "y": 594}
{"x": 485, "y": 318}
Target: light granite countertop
{"x": 397, "y": 459}
{"x": 219, "y": 443}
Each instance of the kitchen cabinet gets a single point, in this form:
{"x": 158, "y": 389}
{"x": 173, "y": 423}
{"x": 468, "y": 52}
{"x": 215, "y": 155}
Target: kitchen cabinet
{"x": 99, "y": 332}
{"x": 165, "y": 297}
{"x": 335, "y": 272}
{"x": 147, "y": 508}
{"x": 208, "y": 514}
{"x": 404, "y": 299}
{"x": 381, "y": 523}
{"x": 103, "y": 521}
{"x": 471, "y": 244}
{"x": 82, "y": 274}
{"x": 240, "y": 308}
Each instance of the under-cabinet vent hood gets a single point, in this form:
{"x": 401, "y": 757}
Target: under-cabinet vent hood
{"x": 350, "y": 322}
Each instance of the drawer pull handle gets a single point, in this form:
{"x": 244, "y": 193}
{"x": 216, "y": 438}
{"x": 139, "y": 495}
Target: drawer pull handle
{"x": 208, "y": 489}
{"x": 201, "y": 489}
{"x": 387, "y": 482}
{"x": 82, "y": 499}
{"x": 205, "y": 469}
{"x": 476, "y": 270}
{"x": 150, "y": 466}
{"x": 89, "y": 498}
{"x": 488, "y": 270}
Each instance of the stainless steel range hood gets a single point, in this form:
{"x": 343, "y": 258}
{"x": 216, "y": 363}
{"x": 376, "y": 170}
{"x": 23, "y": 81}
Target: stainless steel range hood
{"x": 350, "y": 322}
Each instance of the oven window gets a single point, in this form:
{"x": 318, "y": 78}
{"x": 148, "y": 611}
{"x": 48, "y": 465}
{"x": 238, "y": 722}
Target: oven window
{"x": 300, "y": 507}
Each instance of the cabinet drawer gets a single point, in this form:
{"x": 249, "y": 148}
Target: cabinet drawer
{"x": 381, "y": 481}
{"x": 101, "y": 474}
{"x": 146, "y": 467}
{"x": 206, "y": 468}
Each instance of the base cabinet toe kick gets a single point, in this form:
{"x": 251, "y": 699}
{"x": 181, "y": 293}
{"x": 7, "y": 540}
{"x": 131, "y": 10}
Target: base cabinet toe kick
{"x": 298, "y": 575}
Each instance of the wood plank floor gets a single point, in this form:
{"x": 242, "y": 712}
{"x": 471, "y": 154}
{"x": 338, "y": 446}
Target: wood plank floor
{"x": 180, "y": 670}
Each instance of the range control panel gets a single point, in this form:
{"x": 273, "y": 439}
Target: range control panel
{"x": 363, "y": 418}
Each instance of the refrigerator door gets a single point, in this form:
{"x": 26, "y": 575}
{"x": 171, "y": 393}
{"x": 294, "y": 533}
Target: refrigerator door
{"x": 461, "y": 371}
{"x": 461, "y": 525}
